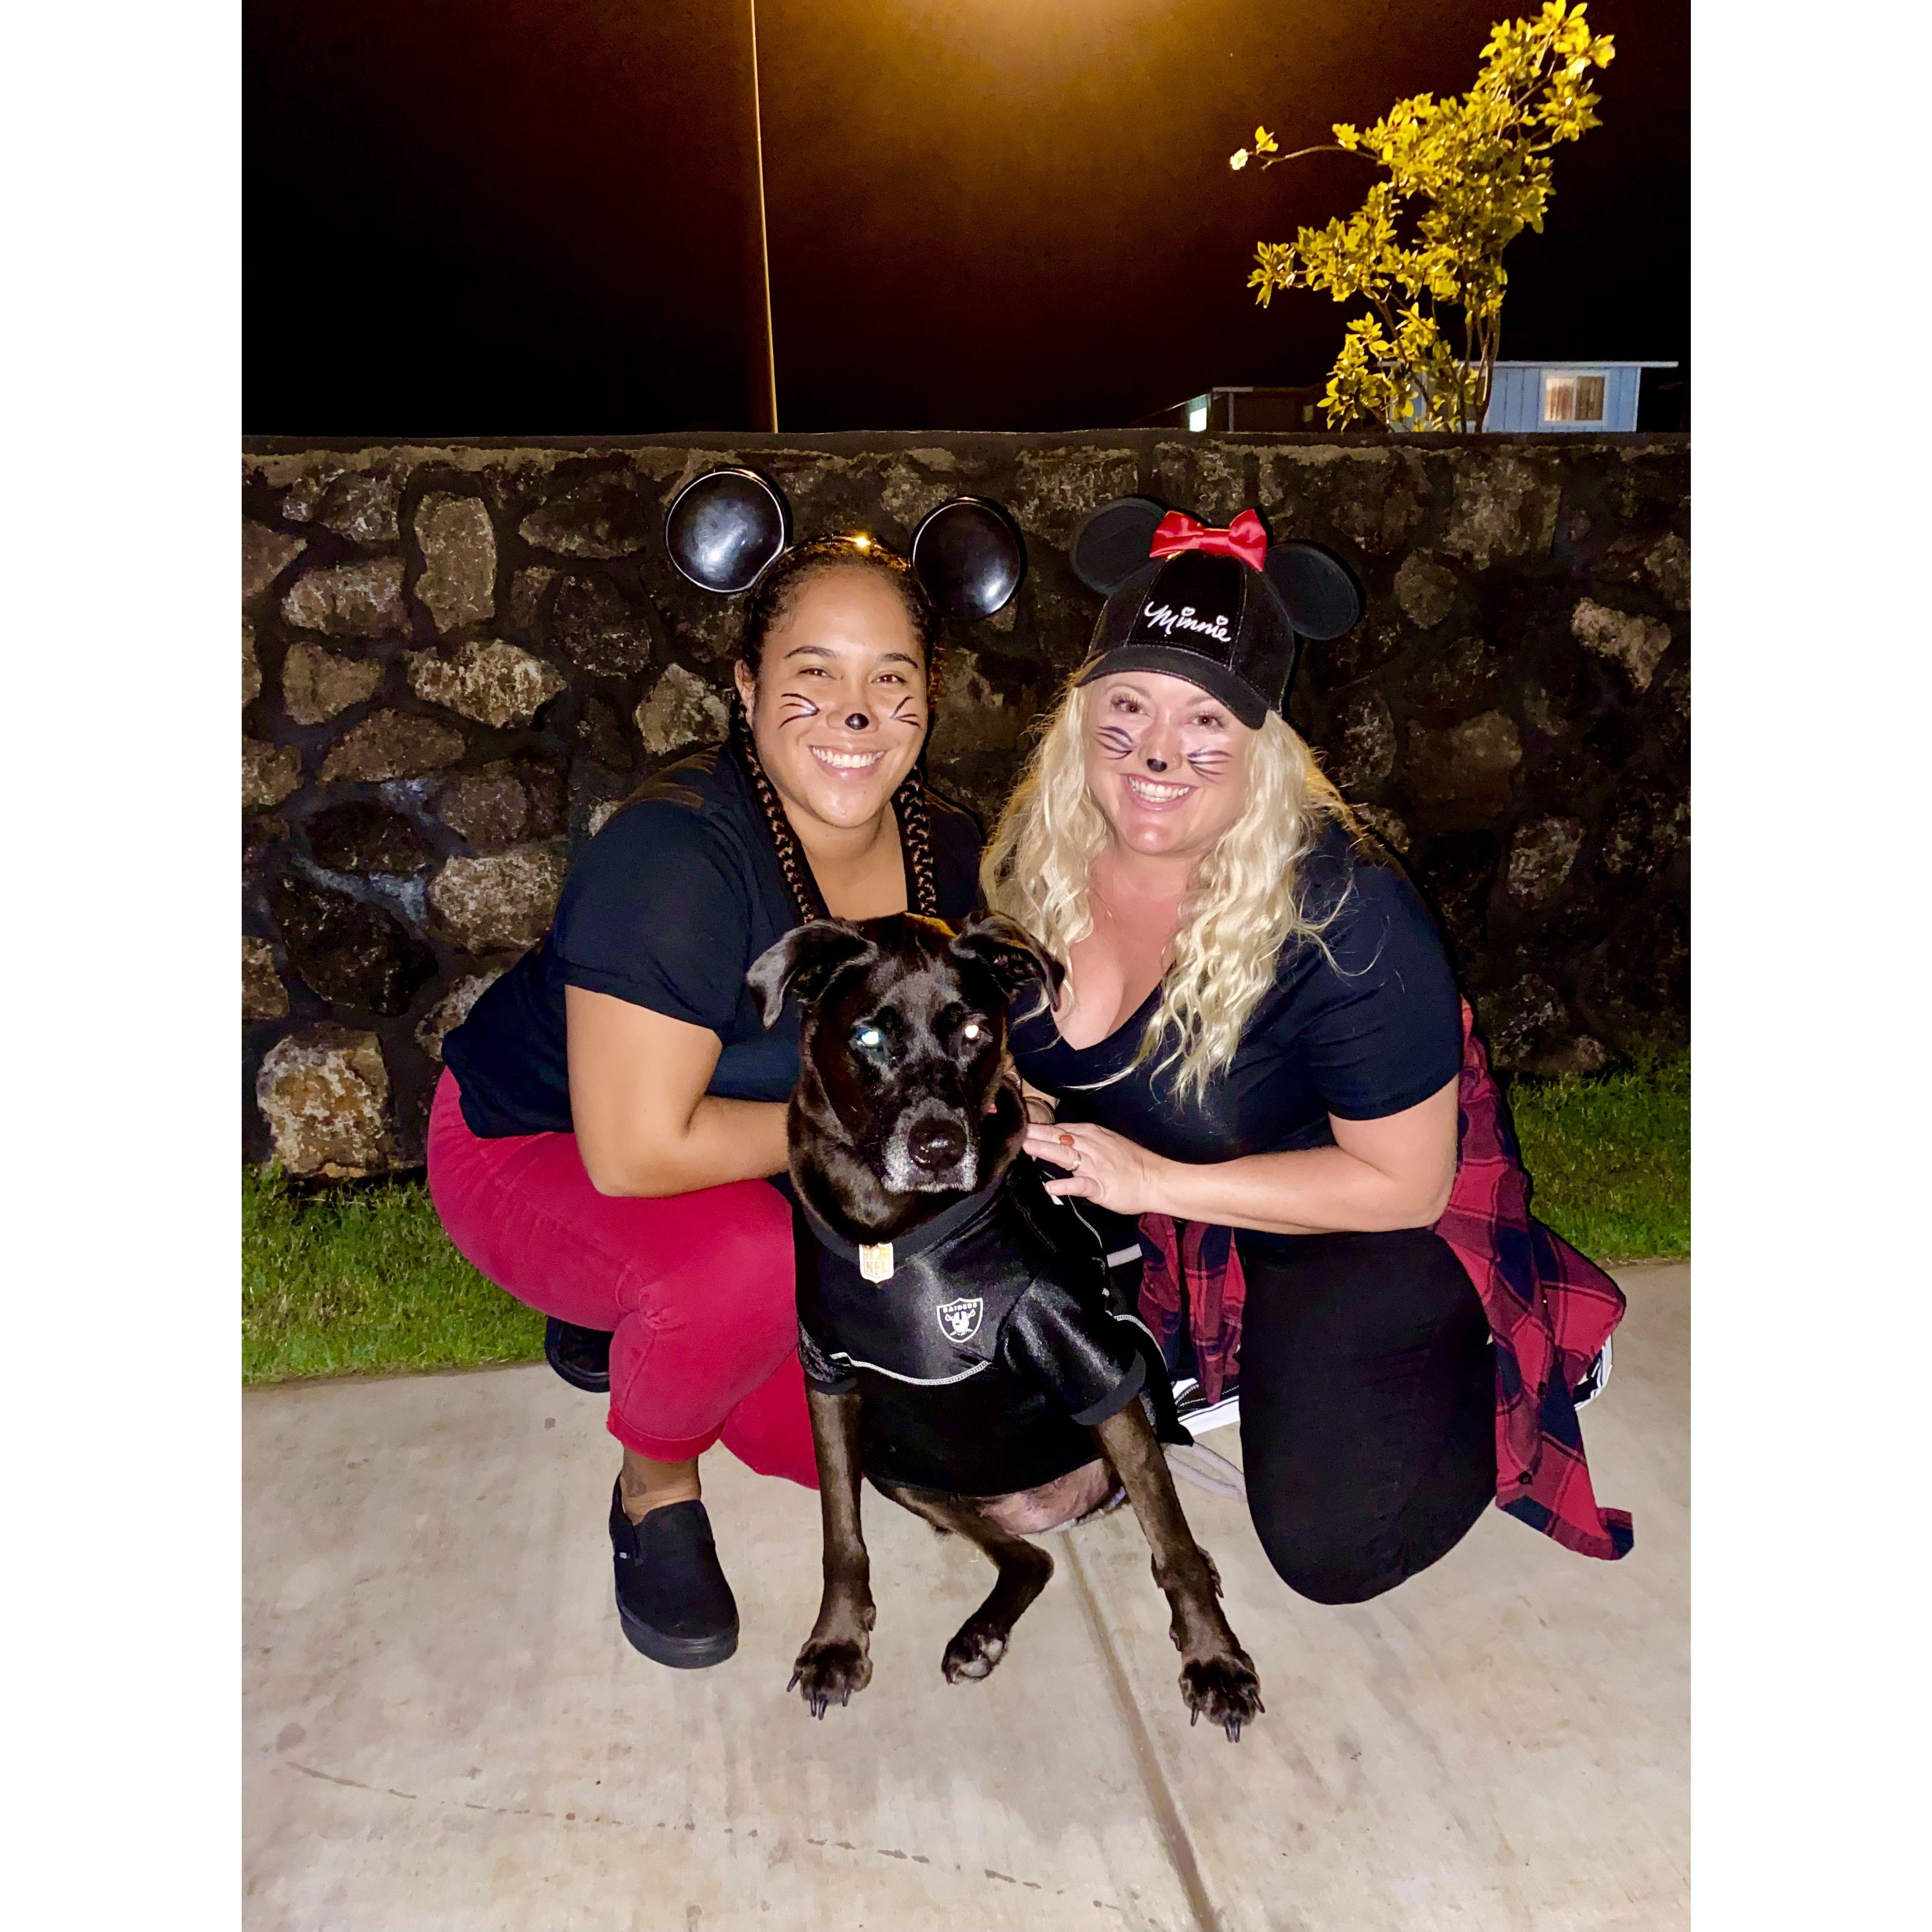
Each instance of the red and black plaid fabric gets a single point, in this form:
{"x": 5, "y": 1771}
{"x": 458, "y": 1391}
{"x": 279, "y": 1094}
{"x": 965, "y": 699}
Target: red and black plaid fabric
{"x": 1550, "y": 1309}
{"x": 1203, "y": 1260}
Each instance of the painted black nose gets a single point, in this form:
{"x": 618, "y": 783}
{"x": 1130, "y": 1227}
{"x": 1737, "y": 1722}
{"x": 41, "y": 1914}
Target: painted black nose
{"x": 856, "y": 721}
{"x": 1157, "y": 764}
{"x": 935, "y": 1145}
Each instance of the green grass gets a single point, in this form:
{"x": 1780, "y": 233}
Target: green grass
{"x": 362, "y": 1279}
{"x": 1609, "y": 1156}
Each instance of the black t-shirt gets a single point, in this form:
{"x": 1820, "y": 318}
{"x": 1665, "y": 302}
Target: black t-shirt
{"x": 667, "y": 908}
{"x": 1371, "y": 1029}
{"x": 992, "y": 1348}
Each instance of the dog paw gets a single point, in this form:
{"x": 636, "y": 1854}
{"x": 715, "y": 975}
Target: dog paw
{"x": 973, "y": 1653}
{"x": 827, "y": 1672}
{"x": 1224, "y": 1690}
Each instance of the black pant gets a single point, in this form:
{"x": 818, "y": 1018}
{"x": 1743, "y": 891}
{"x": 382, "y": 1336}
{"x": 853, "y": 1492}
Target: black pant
{"x": 1368, "y": 1408}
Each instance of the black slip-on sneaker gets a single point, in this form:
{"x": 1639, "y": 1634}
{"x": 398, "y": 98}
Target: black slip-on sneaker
{"x": 582, "y": 1356}
{"x": 672, "y": 1597}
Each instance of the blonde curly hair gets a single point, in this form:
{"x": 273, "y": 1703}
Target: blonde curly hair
{"x": 1247, "y": 898}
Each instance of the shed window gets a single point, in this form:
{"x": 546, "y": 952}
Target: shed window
{"x": 1573, "y": 398}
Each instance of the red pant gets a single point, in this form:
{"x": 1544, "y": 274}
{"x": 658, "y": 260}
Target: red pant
{"x": 697, "y": 1289}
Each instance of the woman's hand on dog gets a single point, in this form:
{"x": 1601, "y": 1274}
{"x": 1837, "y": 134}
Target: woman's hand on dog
{"x": 1103, "y": 1167}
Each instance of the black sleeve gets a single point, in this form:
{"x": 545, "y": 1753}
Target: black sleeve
{"x": 655, "y": 912}
{"x": 1380, "y": 1029}
{"x": 1083, "y": 1357}
{"x": 820, "y": 1371}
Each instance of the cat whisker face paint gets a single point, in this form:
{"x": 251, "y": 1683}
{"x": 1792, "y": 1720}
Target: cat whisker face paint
{"x": 1166, "y": 762}
{"x": 839, "y": 707}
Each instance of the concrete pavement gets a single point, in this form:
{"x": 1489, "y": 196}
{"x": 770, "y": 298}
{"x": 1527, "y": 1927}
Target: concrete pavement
{"x": 444, "y": 1729}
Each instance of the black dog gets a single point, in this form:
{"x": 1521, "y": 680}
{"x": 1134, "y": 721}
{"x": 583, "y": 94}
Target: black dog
{"x": 960, "y": 1349}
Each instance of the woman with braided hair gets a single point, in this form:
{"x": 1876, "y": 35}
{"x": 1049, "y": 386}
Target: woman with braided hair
{"x": 607, "y": 1142}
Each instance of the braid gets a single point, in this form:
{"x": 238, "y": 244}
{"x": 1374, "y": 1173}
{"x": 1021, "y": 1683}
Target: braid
{"x": 791, "y": 861}
{"x": 916, "y": 830}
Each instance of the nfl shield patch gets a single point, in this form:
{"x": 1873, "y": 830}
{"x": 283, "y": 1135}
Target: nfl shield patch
{"x": 961, "y": 1319}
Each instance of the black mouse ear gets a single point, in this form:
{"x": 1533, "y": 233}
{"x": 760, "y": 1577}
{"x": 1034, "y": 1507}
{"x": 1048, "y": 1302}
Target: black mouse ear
{"x": 1009, "y": 953}
{"x": 805, "y": 962}
{"x": 1112, "y": 543}
{"x": 970, "y": 556}
{"x": 723, "y": 528}
{"x": 1320, "y": 590}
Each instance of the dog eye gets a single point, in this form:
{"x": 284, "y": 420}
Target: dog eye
{"x": 868, "y": 1036}
{"x": 972, "y": 1030}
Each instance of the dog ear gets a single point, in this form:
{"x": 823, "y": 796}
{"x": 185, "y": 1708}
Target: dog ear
{"x": 804, "y": 962}
{"x": 1015, "y": 959}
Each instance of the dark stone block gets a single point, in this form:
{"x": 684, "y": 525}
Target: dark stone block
{"x": 601, "y": 728}
{"x": 546, "y": 789}
{"x": 1458, "y": 871}
{"x": 527, "y": 594}
{"x": 1647, "y": 818}
{"x": 1668, "y": 711}
{"x": 1455, "y": 678}
{"x": 1522, "y": 1022}
{"x": 489, "y": 808}
{"x": 1469, "y": 765}
{"x": 353, "y": 954}
{"x": 1353, "y": 655}
{"x": 1637, "y": 989}
{"x": 260, "y": 836}
{"x": 602, "y": 516}
{"x": 601, "y": 632}
{"x": 1358, "y": 746}
{"x": 363, "y": 836}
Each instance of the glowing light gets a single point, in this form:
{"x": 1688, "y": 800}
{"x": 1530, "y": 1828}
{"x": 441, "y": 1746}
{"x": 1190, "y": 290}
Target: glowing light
{"x": 863, "y": 542}
{"x": 1197, "y": 416}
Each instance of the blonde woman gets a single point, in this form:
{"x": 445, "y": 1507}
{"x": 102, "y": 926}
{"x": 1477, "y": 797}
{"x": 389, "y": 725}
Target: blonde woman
{"x": 1255, "y": 1073}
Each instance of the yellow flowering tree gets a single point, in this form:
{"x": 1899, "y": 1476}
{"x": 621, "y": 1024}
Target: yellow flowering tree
{"x": 1424, "y": 251}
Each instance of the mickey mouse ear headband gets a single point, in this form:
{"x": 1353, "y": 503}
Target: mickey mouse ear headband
{"x": 725, "y": 529}
{"x": 1224, "y": 609}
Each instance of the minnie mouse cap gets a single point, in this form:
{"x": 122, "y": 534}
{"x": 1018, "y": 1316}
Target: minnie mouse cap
{"x": 1220, "y": 608}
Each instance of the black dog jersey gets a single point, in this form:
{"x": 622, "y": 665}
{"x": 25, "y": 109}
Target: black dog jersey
{"x": 988, "y": 1352}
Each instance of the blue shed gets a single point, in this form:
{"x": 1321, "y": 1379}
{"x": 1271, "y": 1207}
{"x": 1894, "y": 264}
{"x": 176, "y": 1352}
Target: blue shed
{"x": 1560, "y": 398}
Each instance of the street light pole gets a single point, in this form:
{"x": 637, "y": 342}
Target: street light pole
{"x": 764, "y": 240}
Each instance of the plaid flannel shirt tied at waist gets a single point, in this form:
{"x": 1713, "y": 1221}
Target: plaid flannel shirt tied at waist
{"x": 1550, "y": 1310}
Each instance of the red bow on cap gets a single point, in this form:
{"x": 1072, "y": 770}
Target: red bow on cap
{"x": 1245, "y": 538}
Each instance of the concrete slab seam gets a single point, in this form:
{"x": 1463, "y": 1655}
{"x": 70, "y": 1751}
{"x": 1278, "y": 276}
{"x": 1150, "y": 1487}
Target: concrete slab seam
{"x": 1179, "y": 1846}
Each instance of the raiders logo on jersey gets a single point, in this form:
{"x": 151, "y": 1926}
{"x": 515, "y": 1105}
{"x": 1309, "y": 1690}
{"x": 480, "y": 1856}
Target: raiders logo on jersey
{"x": 960, "y": 1319}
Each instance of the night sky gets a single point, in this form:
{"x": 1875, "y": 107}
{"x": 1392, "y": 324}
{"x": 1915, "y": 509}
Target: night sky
{"x": 502, "y": 217}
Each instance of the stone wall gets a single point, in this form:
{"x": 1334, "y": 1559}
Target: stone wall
{"x": 454, "y": 657}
